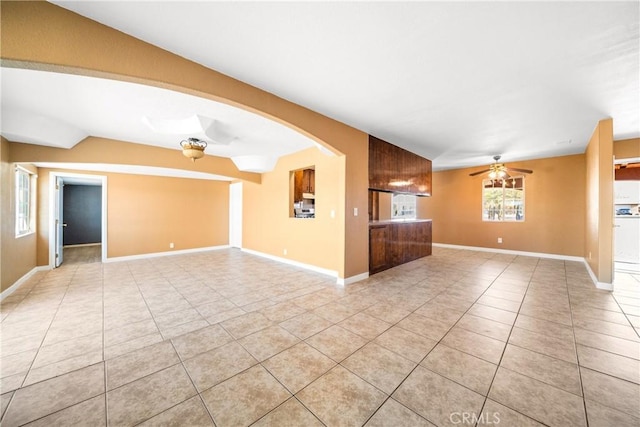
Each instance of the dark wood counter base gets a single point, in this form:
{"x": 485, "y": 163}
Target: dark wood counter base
{"x": 392, "y": 243}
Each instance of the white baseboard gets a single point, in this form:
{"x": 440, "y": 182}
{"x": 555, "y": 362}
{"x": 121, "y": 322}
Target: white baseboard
{"x": 510, "y": 252}
{"x": 11, "y": 289}
{"x": 353, "y": 279}
{"x": 168, "y": 253}
{"x": 325, "y": 271}
{"x": 599, "y": 285}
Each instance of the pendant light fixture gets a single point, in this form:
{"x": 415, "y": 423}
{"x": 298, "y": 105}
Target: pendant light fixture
{"x": 193, "y": 148}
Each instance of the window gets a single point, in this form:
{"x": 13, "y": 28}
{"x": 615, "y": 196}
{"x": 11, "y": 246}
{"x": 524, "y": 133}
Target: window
{"x": 25, "y": 202}
{"x": 403, "y": 206}
{"x": 503, "y": 199}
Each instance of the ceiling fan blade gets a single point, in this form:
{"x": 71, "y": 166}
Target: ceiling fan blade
{"x": 479, "y": 172}
{"x": 520, "y": 170}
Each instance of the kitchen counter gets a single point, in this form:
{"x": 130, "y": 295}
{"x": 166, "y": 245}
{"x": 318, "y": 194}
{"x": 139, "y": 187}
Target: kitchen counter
{"x": 397, "y": 221}
{"x": 394, "y": 242}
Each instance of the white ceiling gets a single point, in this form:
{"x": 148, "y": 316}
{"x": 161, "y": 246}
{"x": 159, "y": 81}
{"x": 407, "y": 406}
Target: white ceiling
{"x": 60, "y": 110}
{"x": 456, "y": 82}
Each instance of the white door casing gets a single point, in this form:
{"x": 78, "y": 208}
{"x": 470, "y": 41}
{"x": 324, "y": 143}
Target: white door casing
{"x": 59, "y": 220}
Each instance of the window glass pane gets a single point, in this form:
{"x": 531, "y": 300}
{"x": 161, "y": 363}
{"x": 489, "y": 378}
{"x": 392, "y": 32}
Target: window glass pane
{"x": 514, "y": 200}
{"x": 503, "y": 200}
{"x": 23, "y": 202}
{"x": 403, "y": 206}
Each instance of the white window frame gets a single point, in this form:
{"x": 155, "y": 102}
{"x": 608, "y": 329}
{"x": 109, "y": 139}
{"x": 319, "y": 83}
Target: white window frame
{"x": 25, "y": 202}
{"x": 404, "y": 206}
{"x": 501, "y": 212}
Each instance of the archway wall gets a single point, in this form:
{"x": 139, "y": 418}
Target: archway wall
{"x": 44, "y": 36}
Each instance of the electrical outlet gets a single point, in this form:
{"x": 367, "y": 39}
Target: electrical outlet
{"x": 333, "y": 213}
{"x": 499, "y": 239}
{"x": 355, "y": 211}
{"x": 171, "y": 245}
{"x": 285, "y": 251}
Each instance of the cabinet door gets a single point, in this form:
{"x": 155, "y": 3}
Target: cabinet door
{"x": 298, "y": 185}
{"x": 627, "y": 192}
{"x": 627, "y": 240}
{"x": 309, "y": 178}
{"x": 312, "y": 181}
{"x": 410, "y": 172}
{"x": 378, "y": 250}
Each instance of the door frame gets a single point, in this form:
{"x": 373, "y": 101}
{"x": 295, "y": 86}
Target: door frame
{"x": 53, "y": 178}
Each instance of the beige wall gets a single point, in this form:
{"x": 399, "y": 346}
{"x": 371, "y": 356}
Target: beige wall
{"x": 627, "y": 148}
{"x": 146, "y": 213}
{"x": 17, "y": 255}
{"x": 554, "y": 209}
{"x": 598, "y": 231}
{"x": 44, "y": 36}
{"x": 268, "y": 227}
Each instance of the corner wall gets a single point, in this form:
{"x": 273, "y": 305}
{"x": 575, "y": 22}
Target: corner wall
{"x": 598, "y": 249}
{"x": 554, "y": 209}
{"x": 268, "y": 228}
{"x": 17, "y": 255}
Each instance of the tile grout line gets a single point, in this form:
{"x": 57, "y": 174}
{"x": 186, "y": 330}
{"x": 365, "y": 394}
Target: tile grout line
{"x": 21, "y": 387}
{"x": 399, "y": 289}
{"x": 465, "y": 275}
{"x": 624, "y": 313}
{"x": 513, "y": 325}
{"x": 575, "y": 342}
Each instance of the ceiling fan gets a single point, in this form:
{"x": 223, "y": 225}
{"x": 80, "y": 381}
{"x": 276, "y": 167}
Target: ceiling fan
{"x": 499, "y": 170}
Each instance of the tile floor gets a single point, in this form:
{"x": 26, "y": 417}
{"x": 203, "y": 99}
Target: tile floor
{"x": 229, "y": 339}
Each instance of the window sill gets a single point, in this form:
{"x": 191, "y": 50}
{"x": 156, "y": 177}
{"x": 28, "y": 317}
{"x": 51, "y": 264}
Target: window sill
{"x": 19, "y": 236}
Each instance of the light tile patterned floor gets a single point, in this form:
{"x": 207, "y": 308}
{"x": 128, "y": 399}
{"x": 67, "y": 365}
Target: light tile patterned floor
{"x": 229, "y": 339}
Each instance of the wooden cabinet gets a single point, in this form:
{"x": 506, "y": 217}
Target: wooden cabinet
{"x": 394, "y": 169}
{"x": 378, "y": 237}
{"x": 298, "y": 185}
{"x": 392, "y": 244}
{"x": 304, "y": 181}
{"x": 309, "y": 181}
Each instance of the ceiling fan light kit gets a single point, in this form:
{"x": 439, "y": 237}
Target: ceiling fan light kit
{"x": 499, "y": 170}
{"x": 193, "y": 148}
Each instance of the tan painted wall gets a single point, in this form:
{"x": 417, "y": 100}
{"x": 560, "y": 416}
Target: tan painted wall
{"x": 627, "y": 148}
{"x": 41, "y": 35}
{"x": 598, "y": 249}
{"x": 146, "y": 213}
{"x": 267, "y": 226}
{"x": 384, "y": 206}
{"x": 554, "y": 209}
{"x": 17, "y": 256}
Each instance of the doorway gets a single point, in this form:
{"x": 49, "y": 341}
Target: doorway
{"x": 627, "y": 216}
{"x": 78, "y": 225}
